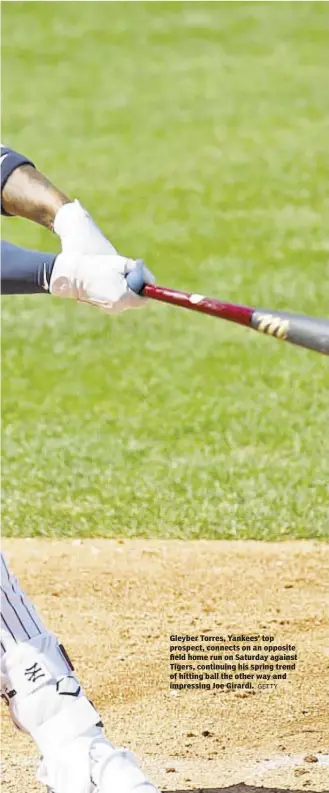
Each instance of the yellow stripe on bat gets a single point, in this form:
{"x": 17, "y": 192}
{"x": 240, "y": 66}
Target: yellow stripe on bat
{"x": 272, "y": 325}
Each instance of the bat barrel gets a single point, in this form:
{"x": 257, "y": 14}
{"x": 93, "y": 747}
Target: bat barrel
{"x": 298, "y": 329}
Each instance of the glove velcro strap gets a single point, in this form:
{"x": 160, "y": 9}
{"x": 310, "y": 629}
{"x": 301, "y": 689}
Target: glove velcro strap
{"x": 70, "y": 722}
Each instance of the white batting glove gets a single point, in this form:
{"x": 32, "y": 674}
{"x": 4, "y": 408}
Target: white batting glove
{"x": 78, "y": 232}
{"x": 100, "y": 280}
{"x": 89, "y": 269}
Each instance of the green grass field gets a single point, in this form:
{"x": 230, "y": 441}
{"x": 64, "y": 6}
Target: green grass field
{"x": 196, "y": 134}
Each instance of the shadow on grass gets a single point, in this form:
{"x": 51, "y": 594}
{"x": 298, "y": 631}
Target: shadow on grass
{"x": 241, "y": 788}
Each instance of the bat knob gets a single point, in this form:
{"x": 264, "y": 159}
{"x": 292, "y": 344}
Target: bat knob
{"x": 136, "y": 278}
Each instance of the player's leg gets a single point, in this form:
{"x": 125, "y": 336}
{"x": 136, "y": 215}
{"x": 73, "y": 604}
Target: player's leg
{"x": 46, "y": 700}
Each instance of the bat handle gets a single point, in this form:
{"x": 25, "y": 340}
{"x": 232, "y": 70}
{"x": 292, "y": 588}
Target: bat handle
{"x": 135, "y": 279}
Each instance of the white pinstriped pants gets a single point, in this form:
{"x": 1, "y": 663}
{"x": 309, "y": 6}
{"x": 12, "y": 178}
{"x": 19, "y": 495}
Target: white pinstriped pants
{"x": 19, "y": 619}
{"x": 35, "y": 705}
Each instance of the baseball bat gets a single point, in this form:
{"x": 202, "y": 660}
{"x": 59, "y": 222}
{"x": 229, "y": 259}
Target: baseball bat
{"x": 309, "y": 332}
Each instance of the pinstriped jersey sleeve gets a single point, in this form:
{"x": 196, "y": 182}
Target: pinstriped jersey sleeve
{"x": 10, "y": 160}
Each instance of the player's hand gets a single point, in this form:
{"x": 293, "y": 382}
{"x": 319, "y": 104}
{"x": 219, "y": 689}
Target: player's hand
{"x": 78, "y": 232}
{"x": 89, "y": 269}
{"x": 99, "y": 279}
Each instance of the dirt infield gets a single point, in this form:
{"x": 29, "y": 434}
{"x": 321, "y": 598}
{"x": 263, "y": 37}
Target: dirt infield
{"x": 114, "y": 605}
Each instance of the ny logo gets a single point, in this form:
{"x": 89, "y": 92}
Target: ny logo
{"x": 34, "y": 673}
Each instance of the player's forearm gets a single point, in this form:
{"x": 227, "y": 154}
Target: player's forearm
{"x": 25, "y": 271}
{"x": 88, "y": 268}
{"x": 28, "y": 194}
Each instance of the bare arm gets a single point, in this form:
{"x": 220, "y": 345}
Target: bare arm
{"x": 87, "y": 269}
{"x": 28, "y": 194}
